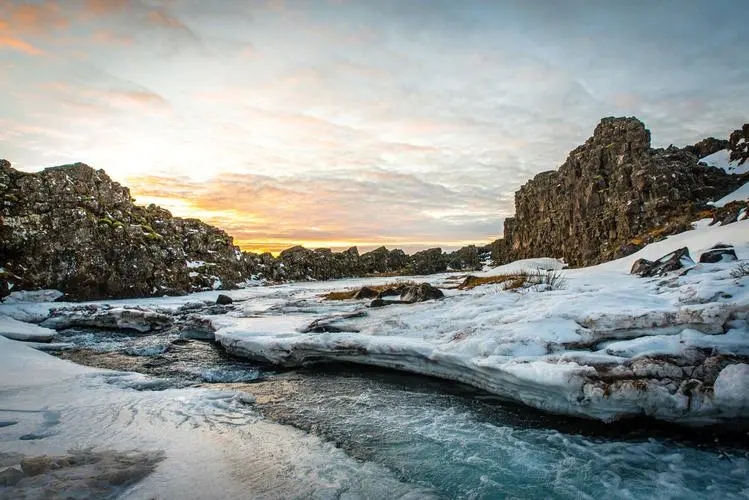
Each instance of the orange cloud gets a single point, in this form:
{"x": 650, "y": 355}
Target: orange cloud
{"x": 34, "y": 18}
{"x": 111, "y": 38}
{"x": 263, "y": 213}
{"x": 19, "y": 45}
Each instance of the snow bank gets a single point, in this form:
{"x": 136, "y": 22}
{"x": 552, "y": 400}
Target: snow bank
{"x": 721, "y": 159}
{"x": 17, "y": 330}
{"x": 609, "y": 345}
{"x": 739, "y": 195}
{"x": 546, "y": 264}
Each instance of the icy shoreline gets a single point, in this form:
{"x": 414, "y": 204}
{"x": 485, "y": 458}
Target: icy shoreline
{"x": 609, "y": 346}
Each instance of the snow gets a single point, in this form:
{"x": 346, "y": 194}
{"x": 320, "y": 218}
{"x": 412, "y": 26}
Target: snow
{"x": 739, "y": 195}
{"x": 547, "y": 348}
{"x": 33, "y": 296}
{"x": 542, "y": 348}
{"x": 731, "y": 384}
{"x": 720, "y": 160}
{"x": 526, "y": 265}
{"x": 193, "y": 264}
{"x": 17, "y": 330}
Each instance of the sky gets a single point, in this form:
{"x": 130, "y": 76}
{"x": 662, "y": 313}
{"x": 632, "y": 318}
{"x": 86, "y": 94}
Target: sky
{"x": 332, "y": 123}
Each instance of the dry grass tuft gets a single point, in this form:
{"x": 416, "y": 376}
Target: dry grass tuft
{"x": 741, "y": 270}
{"x": 339, "y": 295}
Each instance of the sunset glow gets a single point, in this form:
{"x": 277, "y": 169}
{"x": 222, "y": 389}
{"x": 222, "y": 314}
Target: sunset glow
{"x": 336, "y": 123}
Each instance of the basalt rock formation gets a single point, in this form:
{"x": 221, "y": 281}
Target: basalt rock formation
{"x": 73, "y": 229}
{"x": 610, "y": 195}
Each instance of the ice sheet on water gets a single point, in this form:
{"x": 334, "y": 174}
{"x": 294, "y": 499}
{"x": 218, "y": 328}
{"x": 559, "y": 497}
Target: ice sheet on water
{"x": 216, "y": 445}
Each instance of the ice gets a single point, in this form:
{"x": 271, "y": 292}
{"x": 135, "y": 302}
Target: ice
{"x": 33, "y": 296}
{"x": 213, "y": 443}
{"x": 730, "y": 386}
{"x": 526, "y": 265}
{"x": 546, "y": 348}
{"x": 17, "y": 330}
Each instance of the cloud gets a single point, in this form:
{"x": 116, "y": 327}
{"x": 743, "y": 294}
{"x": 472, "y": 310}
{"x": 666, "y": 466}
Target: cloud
{"x": 356, "y": 122}
{"x": 107, "y": 7}
{"x": 361, "y": 208}
{"x": 111, "y": 38}
{"x": 121, "y": 97}
{"x": 163, "y": 19}
{"x": 33, "y": 18}
{"x": 19, "y": 45}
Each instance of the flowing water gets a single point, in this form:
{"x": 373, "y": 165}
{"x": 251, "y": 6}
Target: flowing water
{"x": 438, "y": 437}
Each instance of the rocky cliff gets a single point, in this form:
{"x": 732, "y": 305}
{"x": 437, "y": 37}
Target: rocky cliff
{"x": 73, "y": 229}
{"x": 610, "y": 195}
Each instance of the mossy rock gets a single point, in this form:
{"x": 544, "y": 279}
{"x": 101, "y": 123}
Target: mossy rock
{"x": 154, "y": 236}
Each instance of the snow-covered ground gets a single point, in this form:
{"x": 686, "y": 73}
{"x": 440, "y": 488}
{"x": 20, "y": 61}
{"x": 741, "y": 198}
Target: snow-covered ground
{"x": 721, "y": 159}
{"x": 607, "y": 345}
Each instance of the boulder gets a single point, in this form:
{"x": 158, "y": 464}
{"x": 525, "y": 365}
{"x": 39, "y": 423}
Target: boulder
{"x": 706, "y": 147}
{"x": 223, "y": 300}
{"x": 381, "y": 260}
{"x": 730, "y": 212}
{"x": 420, "y": 293}
{"x": 719, "y": 253}
{"x": 673, "y": 261}
{"x": 428, "y": 262}
{"x": 467, "y": 258}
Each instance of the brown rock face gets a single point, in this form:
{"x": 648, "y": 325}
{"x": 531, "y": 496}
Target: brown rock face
{"x": 74, "y": 229}
{"x": 706, "y": 147}
{"x": 610, "y": 190}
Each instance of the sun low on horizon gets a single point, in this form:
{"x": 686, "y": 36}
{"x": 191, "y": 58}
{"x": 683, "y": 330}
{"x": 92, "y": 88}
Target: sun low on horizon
{"x": 339, "y": 123}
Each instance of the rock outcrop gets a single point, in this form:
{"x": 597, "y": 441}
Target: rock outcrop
{"x": 609, "y": 195}
{"x": 74, "y": 229}
{"x": 673, "y": 261}
{"x": 738, "y": 144}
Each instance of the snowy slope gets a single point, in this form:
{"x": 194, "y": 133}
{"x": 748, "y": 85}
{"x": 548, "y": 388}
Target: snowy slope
{"x": 721, "y": 159}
